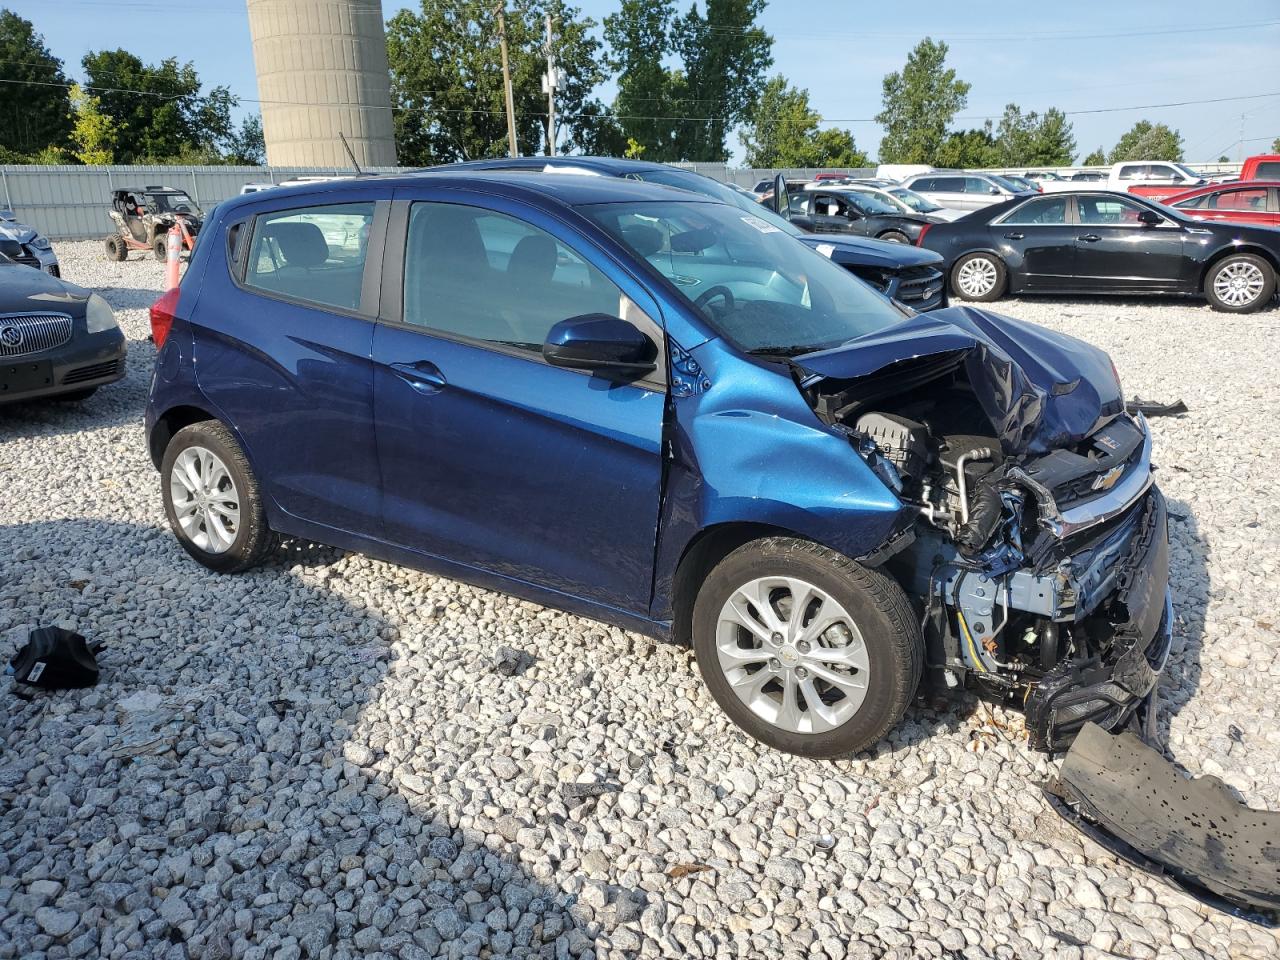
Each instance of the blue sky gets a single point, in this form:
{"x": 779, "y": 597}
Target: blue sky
{"x": 1075, "y": 54}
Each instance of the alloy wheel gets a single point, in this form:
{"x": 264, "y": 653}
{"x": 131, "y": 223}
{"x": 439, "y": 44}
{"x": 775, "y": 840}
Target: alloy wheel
{"x": 205, "y": 499}
{"x": 792, "y": 654}
{"x": 977, "y": 277}
{"x": 1238, "y": 284}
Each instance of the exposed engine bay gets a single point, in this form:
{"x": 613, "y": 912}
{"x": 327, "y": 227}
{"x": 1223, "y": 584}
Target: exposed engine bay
{"x": 1040, "y": 575}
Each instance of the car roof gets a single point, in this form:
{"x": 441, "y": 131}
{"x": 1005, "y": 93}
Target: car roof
{"x": 529, "y": 185}
{"x": 1229, "y": 185}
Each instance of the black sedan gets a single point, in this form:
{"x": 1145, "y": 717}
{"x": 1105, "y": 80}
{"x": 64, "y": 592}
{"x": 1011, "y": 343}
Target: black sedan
{"x": 852, "y": 211}
{"x": 56, "y": 339}
{"x": 1100, "y": 242}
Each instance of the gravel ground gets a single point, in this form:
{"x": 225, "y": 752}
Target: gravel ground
{"x": 330, "y": 756}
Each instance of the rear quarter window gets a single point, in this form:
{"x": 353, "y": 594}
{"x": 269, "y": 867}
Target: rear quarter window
{"x": 313, "y": 254}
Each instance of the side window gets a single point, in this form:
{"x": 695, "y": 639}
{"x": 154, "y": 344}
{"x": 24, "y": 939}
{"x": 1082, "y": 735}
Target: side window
{"x": 1253, "y": 198}
{"x": 976, "y": 185}
{"x": 1267, "y": 170}
{"x": 1195, "y": 203}
{"x": 828, "y": 206}
{"x": 1130, "y": 171}
{"x": 949, "y": 185}
{"x": 1108, "y": 211}
{"x": 314, "y": 254}
{"x": 487, "y": 276}
{"x": 1043, "y": 210}
{"x": 925, "y": 183}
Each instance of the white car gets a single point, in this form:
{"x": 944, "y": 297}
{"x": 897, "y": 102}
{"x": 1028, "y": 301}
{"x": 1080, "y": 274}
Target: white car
{"x": 964, "y": 191}
{"x": 37, "y": 251}
{"x": 908, "y": 201}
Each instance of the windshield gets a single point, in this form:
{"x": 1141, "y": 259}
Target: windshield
{"x": 173, "y": 203}
{"x": 697, "y": 183}
{"x": 753, "y": 283}
{"x": 1188, "y": 172}
{"x": 914, "y": 200}
{"x": 871, "y": 205}
{"x": 1007, "y": 183}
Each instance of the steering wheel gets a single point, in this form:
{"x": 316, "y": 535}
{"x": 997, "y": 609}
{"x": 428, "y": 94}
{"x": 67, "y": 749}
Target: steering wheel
{"x": 719, "y": 290}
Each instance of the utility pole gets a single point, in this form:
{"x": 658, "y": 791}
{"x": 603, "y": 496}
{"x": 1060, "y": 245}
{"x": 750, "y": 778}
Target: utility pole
{"x": 549, "y": 85}
{"x": 1242, "y": 116}
{"x": 512, "y": 149}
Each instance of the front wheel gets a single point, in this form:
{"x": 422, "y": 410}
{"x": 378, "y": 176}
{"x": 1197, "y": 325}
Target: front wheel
{"x": 804, "y": 649}
{"x": 212, "y": 500}
{"x": 160, "y": 247}
{"x": 978, "y": 276}
{"x": 116, "y": 249}
{"x": 1241, "y": 283}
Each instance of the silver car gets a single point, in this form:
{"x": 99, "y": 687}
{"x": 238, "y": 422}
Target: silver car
{"x": 961, "y": 190}
{"x": 36, "y": 250}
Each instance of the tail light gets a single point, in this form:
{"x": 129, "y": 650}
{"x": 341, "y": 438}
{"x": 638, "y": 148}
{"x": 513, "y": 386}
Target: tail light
{"x": 923, "y": 230}
{"x": 162, "y": 313}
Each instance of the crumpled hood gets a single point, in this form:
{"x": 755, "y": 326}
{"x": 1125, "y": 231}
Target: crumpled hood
{"x": 1041, "y": 390}
{"x": 864, "y": 250}
{"x": 16, "y": 231}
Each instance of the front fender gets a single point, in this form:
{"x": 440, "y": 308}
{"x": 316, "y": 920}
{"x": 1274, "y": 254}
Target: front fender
{"x": 746, "y": 448}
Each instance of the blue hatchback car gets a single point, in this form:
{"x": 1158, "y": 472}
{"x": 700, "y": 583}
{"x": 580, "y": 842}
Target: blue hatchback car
{"x": 647, "y": 407}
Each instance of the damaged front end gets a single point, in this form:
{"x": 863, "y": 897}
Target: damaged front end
{"x": 1033, "y": 538}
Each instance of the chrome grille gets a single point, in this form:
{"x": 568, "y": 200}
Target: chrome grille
{"x": 24, "y": 333}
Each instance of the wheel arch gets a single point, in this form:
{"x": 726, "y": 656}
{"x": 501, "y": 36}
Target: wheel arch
{"x": 169, "y": 423}
{"x": 989, "y": 251}
{"x": 1219, "y": 255}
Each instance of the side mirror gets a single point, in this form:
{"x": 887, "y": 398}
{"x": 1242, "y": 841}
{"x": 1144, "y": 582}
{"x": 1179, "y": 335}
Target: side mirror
{"x": 10, "y": 248}
{"x": 781, "y": 198}
{"x": 599, "y": 342}
{"x": 995, "y": 191}
{"x": 1149, "y": 217}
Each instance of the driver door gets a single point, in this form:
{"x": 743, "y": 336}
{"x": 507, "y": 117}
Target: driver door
{"x": 1117, "y": 251}
{"x": 490, "y": 456}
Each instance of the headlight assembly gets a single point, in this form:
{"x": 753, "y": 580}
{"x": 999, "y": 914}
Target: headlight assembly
{"x": 98, "y": 315}
{"x": 41, "y": 243}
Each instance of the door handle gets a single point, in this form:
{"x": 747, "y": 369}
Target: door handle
{"x": 424, "y": 376}
{"x": 1090, "y": 238}
{"x": 1013, "y": 236}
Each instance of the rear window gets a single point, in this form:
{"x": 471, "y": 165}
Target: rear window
{"x": 1268, "y": 170}
{"x": 314, "y": 254}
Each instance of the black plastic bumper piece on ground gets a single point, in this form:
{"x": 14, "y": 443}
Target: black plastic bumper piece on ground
{"x": 1107, "y": 692}
{"x": 1191, "y": 831}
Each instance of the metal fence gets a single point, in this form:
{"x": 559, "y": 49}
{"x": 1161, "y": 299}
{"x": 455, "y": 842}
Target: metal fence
{"x": 71, "y": 202}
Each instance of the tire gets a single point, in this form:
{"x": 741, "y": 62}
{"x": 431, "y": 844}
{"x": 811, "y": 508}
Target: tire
{"x": 979, "y": 265}
{"x": 207, "y": 534}
{"x": 116, "y": 250}
{"x": 160, "y": 247}
{"x": 894, "y": 236}
{"x": 872, "y": 624}
{"x": 75, "y": 395}
{"x": 1240, "y": 283}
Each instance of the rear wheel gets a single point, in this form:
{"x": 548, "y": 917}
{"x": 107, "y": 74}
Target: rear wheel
{"x": 160, "y": 247}
{"x": 978, "y": 276}
{"x": 894, "y": 236}
{"x": 212, "y": 500}
{"x": 1240, "y": 283}
{"x": 804, "y": 649}
{"x": 116, "y": 250}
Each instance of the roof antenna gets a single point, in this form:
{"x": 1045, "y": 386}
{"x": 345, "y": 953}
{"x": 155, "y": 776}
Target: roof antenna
{"x": 346, "y": 146}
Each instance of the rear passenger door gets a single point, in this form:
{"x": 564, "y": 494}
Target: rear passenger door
{"x": 1039, "y": 242}
{"x": 491, "y": 457}
{"x": 283, "y": 352}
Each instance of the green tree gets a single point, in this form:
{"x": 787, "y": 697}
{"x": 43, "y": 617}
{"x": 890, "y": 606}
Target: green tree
{"x": 158, "y": 109}
{"x": 1096, "y": 159}
{"x": 725, "y": 56}
{"x": 1275, "y": 145}
{"x": 970, "y": 148}
{"x": 1148, "y": 141}
{"x": 919, "y": 105}
{"x": 35, "y": 111}
{"x": 247, "y": 147}
{"x": 446, "y": 79}
{"x": 94, "y": 134}
{"x": 782, "y": 131}
{"x": 1032, "y": 140}
{"x": 650, "y": 96}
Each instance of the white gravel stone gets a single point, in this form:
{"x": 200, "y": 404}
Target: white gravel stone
{"x": 319, "y": 758}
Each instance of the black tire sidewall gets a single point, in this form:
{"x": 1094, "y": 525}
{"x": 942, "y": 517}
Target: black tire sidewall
{"x": 115, "y": 249}
{"x": 894, "y": 236}
{"x": 996, "y": 292}
{"x": 1268, "y": 289}
{"x": 891, "y": 672}
{"x": 247, "y": 549}
{"x": 160, "y": 247}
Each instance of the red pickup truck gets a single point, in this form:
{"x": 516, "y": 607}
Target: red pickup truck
{"x": 1265, "y": 166}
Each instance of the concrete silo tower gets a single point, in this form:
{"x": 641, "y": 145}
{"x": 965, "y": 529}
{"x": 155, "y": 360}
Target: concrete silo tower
{"x": 322, "y": 70}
